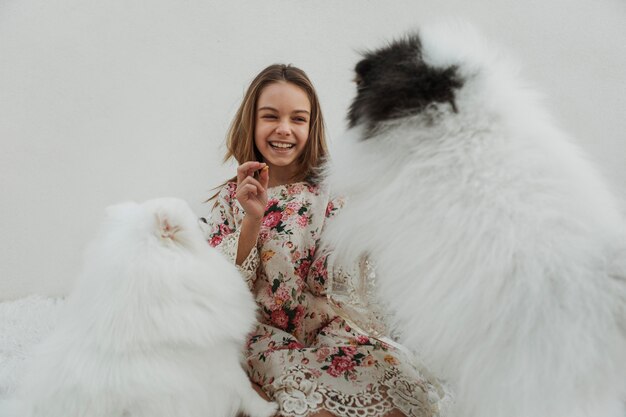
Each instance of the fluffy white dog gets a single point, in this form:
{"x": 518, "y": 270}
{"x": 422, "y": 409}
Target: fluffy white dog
{"x": 496, "y": 242}
{"x": 154, "y": 327}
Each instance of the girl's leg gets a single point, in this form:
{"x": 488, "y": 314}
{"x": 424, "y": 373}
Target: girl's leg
{"x": 260, "y": 392}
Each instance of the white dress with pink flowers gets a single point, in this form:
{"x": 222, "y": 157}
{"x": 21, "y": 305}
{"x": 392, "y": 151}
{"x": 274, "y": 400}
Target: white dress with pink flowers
{"x": 303, "y": 353}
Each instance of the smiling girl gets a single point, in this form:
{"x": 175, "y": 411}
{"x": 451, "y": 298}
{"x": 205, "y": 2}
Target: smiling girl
{"x": 303, "y": 353}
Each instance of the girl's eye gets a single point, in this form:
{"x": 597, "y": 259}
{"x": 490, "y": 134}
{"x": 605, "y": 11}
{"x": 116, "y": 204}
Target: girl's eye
{"x": 268, "y": 116}
{"x": 300, "y": 119}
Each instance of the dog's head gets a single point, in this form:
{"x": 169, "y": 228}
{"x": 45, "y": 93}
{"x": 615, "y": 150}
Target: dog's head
{"x": 151, "y": 280}
{"x": 396, "y": 81}
{"x": 444, "y": 69}
{"x": 155, "y": 226}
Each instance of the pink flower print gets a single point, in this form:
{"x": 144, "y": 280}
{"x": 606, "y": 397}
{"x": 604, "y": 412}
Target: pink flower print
{"x": 324, "y": 273}
{"x": 215, "y": 240}
{"x": 322, "y": 353}
{"x": 333, "y": 371}
{"x": 305, "y": 361}
{"x": 340, "y": 365}
{"x": 225, "y": 230}
{"x": 280, "y": 319}
{"x": 272, "y": 202}
{"x": 264, "y": 235}
{"x": 295, "y": 256}
{"x": 329, "y": 208}
{"x": 294, "y": 206}
{"x": 272, "y": 219}
{"x": 295, "y": 345}
{"x": 294, "y": 189}
{"x": 290, "y": 209}
{"x": 231, "y": 191}
{"x": 368, "y": 361}
{"x": 318, "y": 275}
{"x": 316, "y": 287}
{"x": 281, "y": 295}
{"x": 303, "y": 268}
{"x": 303, "y": 221}
{"x": 362, "y": 340}
{"x": 298, "y": 316}
{"x": 349, "y": 350}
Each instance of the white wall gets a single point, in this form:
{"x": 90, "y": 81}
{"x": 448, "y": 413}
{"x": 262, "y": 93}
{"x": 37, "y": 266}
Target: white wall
{"x": 103, "y": 101}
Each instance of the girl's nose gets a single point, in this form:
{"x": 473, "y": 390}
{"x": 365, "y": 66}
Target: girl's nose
{"x": 283, "y": 128}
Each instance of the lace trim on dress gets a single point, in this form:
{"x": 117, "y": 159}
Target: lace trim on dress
{"x": 353, "y": 295}
{"x": 352, "y": 292}
{"x": 299, "y": 395}
{"x": 228, "y": 247}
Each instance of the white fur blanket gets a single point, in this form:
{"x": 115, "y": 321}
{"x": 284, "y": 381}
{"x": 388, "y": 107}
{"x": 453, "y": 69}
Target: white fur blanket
{"x": 23, "y": 324}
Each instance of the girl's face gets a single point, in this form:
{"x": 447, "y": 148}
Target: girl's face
{"x": 282, "y": 127}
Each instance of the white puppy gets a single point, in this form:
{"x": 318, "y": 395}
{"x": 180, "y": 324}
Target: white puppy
{"x": 154, "y": 327}
{"x": 496, "y": 242}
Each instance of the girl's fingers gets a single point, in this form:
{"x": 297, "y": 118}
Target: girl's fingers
{"x": 252, "y": 181}
{"x": 264, "y": 177}
{"x": 248, "y": 169}
{"x": 247, "y": 189}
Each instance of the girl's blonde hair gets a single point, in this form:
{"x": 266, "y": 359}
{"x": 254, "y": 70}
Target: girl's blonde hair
{"x": 240, "y": 137}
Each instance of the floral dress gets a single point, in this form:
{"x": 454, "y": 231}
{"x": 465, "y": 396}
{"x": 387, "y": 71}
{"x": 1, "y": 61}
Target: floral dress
{"x": 304, "y": 353}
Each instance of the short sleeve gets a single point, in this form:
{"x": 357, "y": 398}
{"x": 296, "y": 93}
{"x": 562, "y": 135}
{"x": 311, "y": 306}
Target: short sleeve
{"x": 222, "y": 232}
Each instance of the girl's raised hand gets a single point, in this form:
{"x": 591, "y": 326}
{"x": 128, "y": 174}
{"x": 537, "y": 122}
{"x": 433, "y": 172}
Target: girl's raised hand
{"x": 252, "y": 193}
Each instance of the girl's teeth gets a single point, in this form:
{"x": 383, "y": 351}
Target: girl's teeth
{"x": 281, "y": 146}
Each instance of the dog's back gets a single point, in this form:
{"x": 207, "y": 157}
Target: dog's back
{"x": 154, "y": 322}
{"x": 492, "y": 234}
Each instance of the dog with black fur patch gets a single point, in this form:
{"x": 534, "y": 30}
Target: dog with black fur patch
{"x": 497, "y": 244}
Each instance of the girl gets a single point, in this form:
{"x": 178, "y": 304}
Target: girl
{"x": 305, "y": 353}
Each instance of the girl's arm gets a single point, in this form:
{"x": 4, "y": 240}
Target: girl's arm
{"x": 252, "y": 195}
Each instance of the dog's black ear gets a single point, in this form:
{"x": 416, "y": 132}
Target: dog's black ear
{"x": 361, "y": 70}
{"x": 363, "y": 67}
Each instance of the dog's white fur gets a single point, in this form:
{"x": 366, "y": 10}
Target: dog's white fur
{"x": 154, "y": 328}
{"x": 497, "y": 243}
